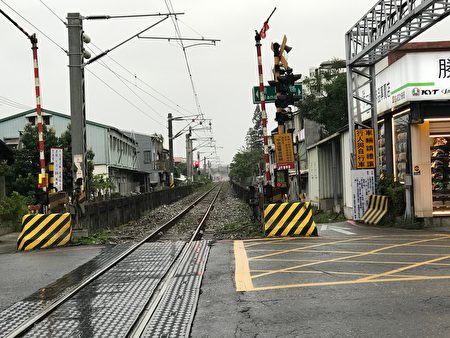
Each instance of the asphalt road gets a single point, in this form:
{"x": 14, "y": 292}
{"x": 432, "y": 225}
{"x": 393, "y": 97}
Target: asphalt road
{"x": 352, "y": 281}
{"x": 23, "y": 273}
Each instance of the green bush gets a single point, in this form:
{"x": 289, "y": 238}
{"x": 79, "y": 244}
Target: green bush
{"x": 13, "y": 208}
{"x": 395, "y": 191}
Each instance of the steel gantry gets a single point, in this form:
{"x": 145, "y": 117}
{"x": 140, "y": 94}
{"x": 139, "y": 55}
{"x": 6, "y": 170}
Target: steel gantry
{"x": 388, "y": 25}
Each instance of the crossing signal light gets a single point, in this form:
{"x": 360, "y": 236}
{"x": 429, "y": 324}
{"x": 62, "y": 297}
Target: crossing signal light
{"x": 285, "y": 86}
{"x": 196, "y": 164}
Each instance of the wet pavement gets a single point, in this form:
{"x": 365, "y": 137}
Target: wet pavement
{"x": 351, "y": 281}
{"x": 23, "y": 273}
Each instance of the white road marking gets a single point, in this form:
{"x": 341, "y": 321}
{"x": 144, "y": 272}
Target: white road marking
{"x": 342, "y": 231}
{"x": 324, "y": 227}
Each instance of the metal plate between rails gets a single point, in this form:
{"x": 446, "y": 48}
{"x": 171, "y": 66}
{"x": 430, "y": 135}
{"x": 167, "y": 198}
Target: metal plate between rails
{"x": 110, "y": 305}
{"x": 15, "y": 315}
{"x": 175, "y": 313}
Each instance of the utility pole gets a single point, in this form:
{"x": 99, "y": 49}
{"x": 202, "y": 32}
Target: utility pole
{"x": 77, "y": 103}
{"x": 188, "y": 157}
{"x": 171, "y": 165}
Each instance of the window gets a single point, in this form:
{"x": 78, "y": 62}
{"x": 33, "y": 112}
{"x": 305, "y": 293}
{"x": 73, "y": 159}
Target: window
{"x": 381, "y": 147}
{"x": 400, "y": 138}
{"x": 32, "y": 120}
{"x": 147, "y": 157}
{"x": 46, "y": 120}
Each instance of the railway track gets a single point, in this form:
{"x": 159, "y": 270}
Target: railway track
{"x": 150, "y": 289}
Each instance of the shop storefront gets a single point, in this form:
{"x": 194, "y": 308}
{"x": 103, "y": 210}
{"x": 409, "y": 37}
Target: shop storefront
{"x": 413, "y": 105}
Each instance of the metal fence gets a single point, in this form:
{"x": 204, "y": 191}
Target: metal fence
{"x": 251, "y": 196}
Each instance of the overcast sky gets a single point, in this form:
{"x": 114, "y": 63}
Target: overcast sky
{"x": 223, "y": 75}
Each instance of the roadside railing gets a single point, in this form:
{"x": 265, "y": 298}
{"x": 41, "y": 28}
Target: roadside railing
{"x": 251, "y": 196}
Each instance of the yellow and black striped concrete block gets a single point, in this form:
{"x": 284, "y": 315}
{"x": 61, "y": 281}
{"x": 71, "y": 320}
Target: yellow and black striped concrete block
{"x": 378, "y": 207}
{"x": 41, "y": 231}
{"x": 289, "y": 219}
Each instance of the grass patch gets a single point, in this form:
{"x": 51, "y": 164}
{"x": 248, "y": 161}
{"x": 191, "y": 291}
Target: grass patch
{"x": 101, "y": 237}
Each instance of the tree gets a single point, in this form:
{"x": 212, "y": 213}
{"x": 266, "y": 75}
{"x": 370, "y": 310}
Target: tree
{"x": 22, "y": 175}
{"x": 325, "y": 98}
{"x": 180, "y": 169}
{"x": 254, "y": 137}
{"x": 249, "y": 161}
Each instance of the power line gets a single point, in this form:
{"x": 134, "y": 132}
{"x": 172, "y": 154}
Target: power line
{"x": 53, "y": 41}
{"x": 12, "y": 103}
{"x": 145, "y": 83}
{"x": 53, "y": 12}
{"x": 178, "y": 32}
{"x": 135, "y": 76}
{"x": 115, "y": 91}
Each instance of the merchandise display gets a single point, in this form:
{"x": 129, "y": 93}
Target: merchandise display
{"x": 381, "y": 148}
{"x": 401, "y": 146}
{"x": 440, "y": 172}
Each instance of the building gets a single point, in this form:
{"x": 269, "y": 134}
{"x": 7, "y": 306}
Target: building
{"x": 413, "y": 110}
{"x": 115, "y": 152}
{"x": 152, "y": 161}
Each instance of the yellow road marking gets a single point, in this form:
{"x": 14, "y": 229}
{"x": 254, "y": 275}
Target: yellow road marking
{"x": 349, "y": 261}
{"x": 336, "y": 273}
{"x": 353, "y": 252}
{"x": 306, "y": 247}
{"x": 346, "y": 257}
{"x": 273, "y": 241}
{"x": 349, "y": 282}
{"x": 412, "y": 266}
{"x": 242, "y": 270}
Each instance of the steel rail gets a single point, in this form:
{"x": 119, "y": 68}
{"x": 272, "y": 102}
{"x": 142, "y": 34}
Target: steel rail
{"x": 146, "y": 314}
{"x": 23, "y": 328}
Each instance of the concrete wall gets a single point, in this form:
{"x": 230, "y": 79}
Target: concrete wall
{"x": 111, "y": 213}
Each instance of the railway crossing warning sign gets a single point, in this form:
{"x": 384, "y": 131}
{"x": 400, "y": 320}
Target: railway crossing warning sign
{"x": 284, "y": 151}
{"x": 365, "y": 148}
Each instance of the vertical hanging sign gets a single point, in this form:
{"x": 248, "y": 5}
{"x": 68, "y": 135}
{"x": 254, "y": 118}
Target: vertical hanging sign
{"x": 56, "y": 156}
{"x": 365, "y": 148}
{"x": 284, "y": 151}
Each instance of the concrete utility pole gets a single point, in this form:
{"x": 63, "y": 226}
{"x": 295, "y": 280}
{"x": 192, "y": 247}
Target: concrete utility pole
{"x": 188, "y": 157}
{"x": 171, "y": 162}
{"x": 77, "y": 103}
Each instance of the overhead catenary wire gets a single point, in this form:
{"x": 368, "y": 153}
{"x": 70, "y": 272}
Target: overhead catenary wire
{"x": 65, "y": 52}
{"x": 176, "y": 106}
{"x": 131, "y": 103}
{"x": 131, "y": 73}
{"x": 40, "y": 31}
{"x": 178, "y": 33}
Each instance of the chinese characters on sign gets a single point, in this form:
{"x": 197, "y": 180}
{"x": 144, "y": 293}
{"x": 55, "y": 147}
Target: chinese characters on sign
{"x": 365, "y": 148}
{"x": 56, "y": 156}
{"x": 383, "y": 92}
{"x": 444, "y": 68}
{"x": 284, "y": 151}
{"x": 363, "y": 185}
